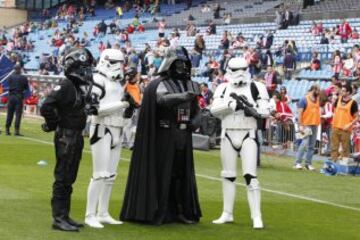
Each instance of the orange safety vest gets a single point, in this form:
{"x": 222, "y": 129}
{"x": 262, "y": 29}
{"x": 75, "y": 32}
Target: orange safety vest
{"x": 134, "y": 91}
{"x": 311, "y": 114}
{"x": 342, "y": 114}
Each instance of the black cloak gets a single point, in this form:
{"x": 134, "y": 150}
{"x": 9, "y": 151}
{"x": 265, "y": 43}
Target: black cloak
{"x": 147, "y": 191}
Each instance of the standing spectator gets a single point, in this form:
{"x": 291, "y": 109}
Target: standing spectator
{"x": 270, "y": 80}
{"x": 309, "y": 120}
{"x": 345, "y": 115}
{"x": 289, "y": 64}
{"x": 217, "y": 10}
{"x": 199, "y": 47}
{"x": 102, "y": 46}
{"x": 18, "y": 84}
{"x": 284, "y": 96}
{"x": 348, "y": 66}
{"x": 327, "y": 112}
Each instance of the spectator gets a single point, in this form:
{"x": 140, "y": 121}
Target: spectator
{"x": 324, "y": 39}
{"x": 101, "y": 47}
{"x": 345, "y": 31}
{"x": 337, "y": 63}
{"x": 119, "y": 11}
{"x": 206, "y": 93}
{"x": 211, "y": 29}
{"x": 327, "y": 112}
{"x": 283, "y": 120}
{"x": 355, "y": 34}
{"x": 190, "y": 17}
{"x": 349, "y": 66}
{"x": 17, "y": 85}
{"x": 284, "y": 96}
{"x": 199, "y": 47}
{"x": 289, "y": 64}
{"x": 345, "y": 116}
{"x": 270, "y": 80}
{"x": 217, "y": 10}
{"x": 113, "y": 27}
{"x": 109, "y": 4}
{"x": 309, "y": 120}
{"x": 224, "y": 43}
{"x": 227, "y": 19}
{"x": 161, "y": 28}
{"x": 190, "y": 30}
{"x": 239, "y": 42}
{"x": 315, "y": 63}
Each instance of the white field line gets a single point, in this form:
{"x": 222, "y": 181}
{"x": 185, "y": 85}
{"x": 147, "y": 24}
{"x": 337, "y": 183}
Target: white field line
{"x": 291, "y": 195}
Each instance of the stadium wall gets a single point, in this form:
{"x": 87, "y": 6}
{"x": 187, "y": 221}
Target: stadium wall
{"x": 10, "y": 17}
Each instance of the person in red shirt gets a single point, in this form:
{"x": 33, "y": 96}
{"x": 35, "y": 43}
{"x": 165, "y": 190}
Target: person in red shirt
{"x": 345, "y": 31}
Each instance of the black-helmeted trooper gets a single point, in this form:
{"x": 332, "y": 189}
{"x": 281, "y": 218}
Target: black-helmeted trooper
{"x": 64, "y": 113}
{"x": 105, "y": 137}
{"x": 239, "y": 103}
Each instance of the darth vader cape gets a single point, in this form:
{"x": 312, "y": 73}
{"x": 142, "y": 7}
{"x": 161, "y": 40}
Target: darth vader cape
{"x": 148, "y": 186}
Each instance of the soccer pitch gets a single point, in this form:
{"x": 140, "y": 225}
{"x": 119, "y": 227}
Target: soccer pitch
{"x": 295, "y": 204}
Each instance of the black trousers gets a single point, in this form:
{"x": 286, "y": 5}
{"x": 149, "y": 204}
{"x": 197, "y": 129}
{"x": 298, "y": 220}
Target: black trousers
{"x": 15, "y": 105}
{"x": 68, "y": 149}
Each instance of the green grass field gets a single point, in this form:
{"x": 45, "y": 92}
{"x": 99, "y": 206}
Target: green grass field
{"x": 295, "y": 204}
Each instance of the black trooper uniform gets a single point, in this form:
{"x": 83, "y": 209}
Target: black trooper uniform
{"x": 64, "y": 113}
{"x": 161, "y": 187}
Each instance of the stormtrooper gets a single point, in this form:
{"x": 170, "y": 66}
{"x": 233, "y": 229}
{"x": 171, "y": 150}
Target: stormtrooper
{"x": 240, "y": 103}
{"x": 105, "y": 136}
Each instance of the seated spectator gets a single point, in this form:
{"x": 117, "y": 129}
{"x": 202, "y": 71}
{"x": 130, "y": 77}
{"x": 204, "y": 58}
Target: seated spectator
{"x": 227, "y": 18}
{"x": 190, "y": 30}
{"x": 109, "y": 4}
{"x": 113, "y": 27}
{"x": 345, "y": 31}
{"x": 355, "y": 34}
{"x": 314, "y": 29}
{"x": 190, "y": 17}
{"x": 119, "y": 11}
{"x": 224, "y": 42}
{"x": 349, "y": 66}
{"x": 239, "y": 43}
{"x": 315, "y": 63}
{"x": 130, "y": 29}
{"x": 324, "y": 39}
{"x": 206, "y": 93}
{"x": 135, "y": 22}
{"x": 337, "y": 63}
{"x": 141, "y": 28}
{"x": 211, "y": 29}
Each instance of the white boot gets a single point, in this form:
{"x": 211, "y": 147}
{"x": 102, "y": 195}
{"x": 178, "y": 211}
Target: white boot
{"x": 93, "y": 193}
{"x": 103, "y": 208}
{"x": 254, "y": 198}
{"x": 229, "y": 191}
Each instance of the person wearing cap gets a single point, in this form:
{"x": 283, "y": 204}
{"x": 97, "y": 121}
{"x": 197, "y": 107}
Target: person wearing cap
{"x": 18, "y": 84}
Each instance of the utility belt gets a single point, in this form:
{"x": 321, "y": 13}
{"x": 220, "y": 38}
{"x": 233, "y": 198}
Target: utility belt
{"x": 68, "y": 132}
{"x": 166, "y": 124}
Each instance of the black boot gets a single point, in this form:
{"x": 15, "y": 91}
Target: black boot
{"x": 72, "y": 222}
{"x": 17, "y": 133}
{"x": 181, "y": 218}
{"x": 8, "y": 131}
{"x": 60, "y": 223}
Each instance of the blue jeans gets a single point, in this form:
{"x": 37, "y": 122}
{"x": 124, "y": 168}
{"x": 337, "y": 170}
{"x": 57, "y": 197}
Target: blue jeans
{"x": 307, "y": 145}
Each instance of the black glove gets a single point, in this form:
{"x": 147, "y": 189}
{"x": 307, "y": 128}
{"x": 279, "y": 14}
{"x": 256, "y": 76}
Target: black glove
{"x": 92, "y": 105}
{"x": 46, "y": 128}
{"x": 128, "y": 98}
{"x": 251, "y": 112}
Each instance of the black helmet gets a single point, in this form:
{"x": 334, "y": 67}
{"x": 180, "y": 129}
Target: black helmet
{"x": 78, "y": 65}
{"x": 176, "y": 63}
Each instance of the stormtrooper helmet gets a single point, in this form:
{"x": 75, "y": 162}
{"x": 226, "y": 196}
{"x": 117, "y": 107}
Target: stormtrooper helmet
{"x": 237, "y": 72}
{"x": 111, "y": 64}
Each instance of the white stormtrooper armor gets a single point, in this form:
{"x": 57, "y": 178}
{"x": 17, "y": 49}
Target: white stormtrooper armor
{"x": 238, "y": 136}
{"x": 105, "y": 137}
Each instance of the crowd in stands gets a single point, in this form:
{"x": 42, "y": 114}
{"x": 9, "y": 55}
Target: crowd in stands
{"x": 261, "y": 61}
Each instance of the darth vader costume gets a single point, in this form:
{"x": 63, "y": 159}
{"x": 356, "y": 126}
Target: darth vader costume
{"x": 161, "y": 185}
